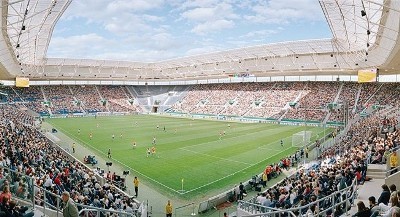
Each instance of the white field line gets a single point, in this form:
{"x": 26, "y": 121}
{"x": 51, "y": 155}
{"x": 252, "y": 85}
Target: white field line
{"x": 269, "y": 149}
{"x": 243, "y": 168}
{"x": 231, "y": 138}
{"x": 83, "y": 142}
{"x": 221, "y": 158}
{"x": 202, "y": 186}
{"x": 238, "y": 171}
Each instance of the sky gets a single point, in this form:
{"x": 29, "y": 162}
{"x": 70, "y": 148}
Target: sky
{"x": 156, "y": 30}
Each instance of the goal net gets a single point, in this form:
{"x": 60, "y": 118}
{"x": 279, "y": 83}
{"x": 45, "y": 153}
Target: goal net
{"x": 301, "y": 138}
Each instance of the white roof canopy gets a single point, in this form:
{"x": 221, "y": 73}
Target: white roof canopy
{"x": 365, "y": 33}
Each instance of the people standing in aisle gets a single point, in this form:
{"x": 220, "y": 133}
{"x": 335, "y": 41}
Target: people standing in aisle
{"x": 136, "y": 184}
{"x": 168, "y": 209}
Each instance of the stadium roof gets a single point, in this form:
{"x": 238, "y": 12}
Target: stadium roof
{"x": 365, "y": 34}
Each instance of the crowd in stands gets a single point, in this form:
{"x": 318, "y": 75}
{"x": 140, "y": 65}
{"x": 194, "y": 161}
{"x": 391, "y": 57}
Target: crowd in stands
{"x": 25, "y": 150}
{"x": 388, "y": 94}
{"x": 349, "y": 93}
{"x": 271, "y": 100}
{"x": 337, "y": 167}
{"x": 367, "y": 90}
{"x": 306, "y": 114}
{"x": 267, "y": 100}
{"x": 32, "y": 97}
{"x": 89, "y": 98}
{"x": 319, "y": 94}
{"x": 72, "y": 99}
{"x": 117, "y": 99}
{"x": 61, "y": 100}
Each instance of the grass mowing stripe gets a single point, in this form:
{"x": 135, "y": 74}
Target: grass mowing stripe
{"x": 206, "y": 160}
{"x": 88, "y": 145}
{"x": 235, "y": 172}
{"x": 208, "y": 155}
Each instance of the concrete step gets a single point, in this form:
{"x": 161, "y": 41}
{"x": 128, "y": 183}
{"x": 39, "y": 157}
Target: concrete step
{"x": 377, "y": 167}
{"x": 376, "y": 173}
{"x": 377, "y": 176}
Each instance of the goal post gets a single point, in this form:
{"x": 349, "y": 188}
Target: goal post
{"x": 301, "y": 138}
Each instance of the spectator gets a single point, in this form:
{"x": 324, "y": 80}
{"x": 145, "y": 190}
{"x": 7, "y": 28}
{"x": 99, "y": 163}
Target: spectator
{"x": 362, "y": 211}
{"x": 69, "y": 207}
{"x": 393, "y": 162}
{"x": 393, "y": 191}
{"x": 5, "y": 194}
{"x": 168, "y": 209}
{"x": 394, "y": 204}
{"x": 136, "y": 184}
{"x": 385, "y": 195}
{"x": 373, "y": 206}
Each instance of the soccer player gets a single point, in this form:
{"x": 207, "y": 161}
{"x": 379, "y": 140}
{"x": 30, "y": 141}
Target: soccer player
{"x": 164, "y": 129}
{"x": 153, "y": 150}
{"x": 73, "y": 147}
{"x": 109, "y": 153}
{"x": 148, "y": 152}
{"x": 281, "y": 142}
{"x": 120, "y": 136}
{"x": 154, "y": 140}
{"x": 79, "y": 131}
{"x": 134, "y": 144}
{"x": 113, "y": 136}
{"x": 90, "y": 135}
{"x": 158, "y": 127}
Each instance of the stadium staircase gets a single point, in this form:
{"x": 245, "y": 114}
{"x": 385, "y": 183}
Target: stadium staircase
{"x": 132, "y": 92}
{"x": 75, "y": 99}
{"x": 372, "y": 96}
{"x": 377, "y": 171}
{"x": 101, "y": 97}
{"x": 338, "y": 93}
{"x": 335, "y": 101}
{"x": 45, "y": 100}
{"x": 357, "y": 99}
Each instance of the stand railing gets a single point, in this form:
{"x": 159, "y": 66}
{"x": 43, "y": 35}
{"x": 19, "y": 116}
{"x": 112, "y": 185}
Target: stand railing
{"x": 342, "y": 199}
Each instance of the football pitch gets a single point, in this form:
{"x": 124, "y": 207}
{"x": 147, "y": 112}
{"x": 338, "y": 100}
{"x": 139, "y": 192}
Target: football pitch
{"x": 193, "y": 157}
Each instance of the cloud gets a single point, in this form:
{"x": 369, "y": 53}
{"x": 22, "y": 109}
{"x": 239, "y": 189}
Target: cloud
{"x": 79, "y": 46}
{"x": 143, "y": 30}
{"x": 102, "y": 10}
{"x": 260, "y": 33}
{"x": 144, "y": 54}
{"x": 212, "y": 26}
{"x": 118, "y": 17}
{"x": 199, "y": 14}
{"x": 285, "y": 11}
{"x": 202, "y": 50}
{"x": 213, "y": 18}
{"x": 93, "y": 46}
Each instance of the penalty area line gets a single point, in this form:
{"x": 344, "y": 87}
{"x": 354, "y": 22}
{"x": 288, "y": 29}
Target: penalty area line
{"x": 122, "y": 164}
{"x": 221, "y": 158}
{"x": 238, "y": 171}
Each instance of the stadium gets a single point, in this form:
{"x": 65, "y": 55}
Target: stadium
{"x": 259, "y": 127}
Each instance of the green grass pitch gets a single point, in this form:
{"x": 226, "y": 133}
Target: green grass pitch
{"x": 188, "y": 149}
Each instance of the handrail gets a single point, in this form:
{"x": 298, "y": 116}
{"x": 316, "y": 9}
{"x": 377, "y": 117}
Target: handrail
{"x": 389, "y": 172}
{"x": 189, "y": 204}
{"x": 274, "y": 210}
{"x": 43, "y": 199}
{"x": 352, "y": 188}
{"x": 85, "y": 210}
